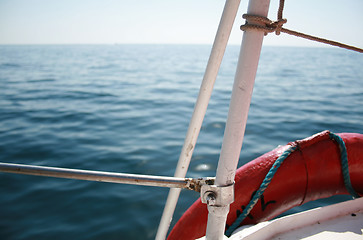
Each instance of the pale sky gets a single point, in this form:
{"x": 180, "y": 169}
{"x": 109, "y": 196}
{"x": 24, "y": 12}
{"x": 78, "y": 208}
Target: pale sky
{"x": 166, "y": 21}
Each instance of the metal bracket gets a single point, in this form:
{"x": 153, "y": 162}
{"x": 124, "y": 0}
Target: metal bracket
{"x": 217, "y": 195}
{"x": 196, "y": 184}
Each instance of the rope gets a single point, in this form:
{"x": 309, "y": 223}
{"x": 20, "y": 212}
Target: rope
{"x": 344, "y": 162}
{"x": 281, "y": 9}
{"x": 261, "y": 190}
{"x": 267, "y": 26}
{"x": 322, "y": 40}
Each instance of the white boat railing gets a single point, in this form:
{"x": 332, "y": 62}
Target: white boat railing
{"x": 205, "y": 92}
{"x": 237, "y": 118}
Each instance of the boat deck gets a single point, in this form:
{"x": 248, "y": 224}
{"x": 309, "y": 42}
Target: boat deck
{"x": 339, "y": 221}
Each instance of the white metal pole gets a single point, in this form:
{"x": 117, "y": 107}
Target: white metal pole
{"x": 237, "y": 117}
{"x": 215, "y": 59}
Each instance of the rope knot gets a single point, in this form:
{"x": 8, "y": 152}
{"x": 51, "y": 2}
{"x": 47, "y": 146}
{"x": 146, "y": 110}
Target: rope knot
{"x": 277, "y": 25}
{"x": 262, "y": 24}
{"x": 259, "y": 23}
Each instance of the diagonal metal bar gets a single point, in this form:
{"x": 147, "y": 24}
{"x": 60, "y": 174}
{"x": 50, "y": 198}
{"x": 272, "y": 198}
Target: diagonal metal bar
{"x": 111, "y": 177}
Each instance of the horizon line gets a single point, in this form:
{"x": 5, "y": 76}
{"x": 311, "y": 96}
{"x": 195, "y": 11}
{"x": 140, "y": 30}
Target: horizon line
{"x": 205, "y": 44}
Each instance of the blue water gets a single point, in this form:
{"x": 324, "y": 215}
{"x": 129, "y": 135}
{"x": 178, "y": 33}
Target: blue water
{"x": 126, "y": 108}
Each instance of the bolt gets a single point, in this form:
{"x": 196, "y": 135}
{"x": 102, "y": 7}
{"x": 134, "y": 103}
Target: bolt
{"x": 211, "y": 198}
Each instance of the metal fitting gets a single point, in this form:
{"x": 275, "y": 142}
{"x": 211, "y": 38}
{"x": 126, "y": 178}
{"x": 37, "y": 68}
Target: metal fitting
{"x": 217, "y": 195}
{"x": 210, "y": 198}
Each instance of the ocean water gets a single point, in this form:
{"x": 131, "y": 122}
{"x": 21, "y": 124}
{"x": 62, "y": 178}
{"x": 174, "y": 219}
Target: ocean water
{"x": 126, "y": 108}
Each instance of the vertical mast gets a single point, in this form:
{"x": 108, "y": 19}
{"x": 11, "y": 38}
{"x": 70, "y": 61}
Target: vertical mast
{"x": 237, "y": 117}
{"x": 215, "y": 59}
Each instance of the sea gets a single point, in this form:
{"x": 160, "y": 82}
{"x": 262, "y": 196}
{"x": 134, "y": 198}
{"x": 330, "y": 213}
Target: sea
{"x": 126, "y": 108}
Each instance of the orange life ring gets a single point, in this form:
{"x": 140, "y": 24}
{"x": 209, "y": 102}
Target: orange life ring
{"x": 311, "y": 172}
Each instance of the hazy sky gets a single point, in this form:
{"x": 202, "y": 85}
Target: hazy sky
{"x": 166, "y": 21}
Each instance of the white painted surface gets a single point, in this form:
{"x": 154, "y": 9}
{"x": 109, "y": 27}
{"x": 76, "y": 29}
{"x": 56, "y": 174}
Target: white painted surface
{"x": 206, "y": 88}
{"x": 237, "y": 117}
{"x": 338, "y": 221}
